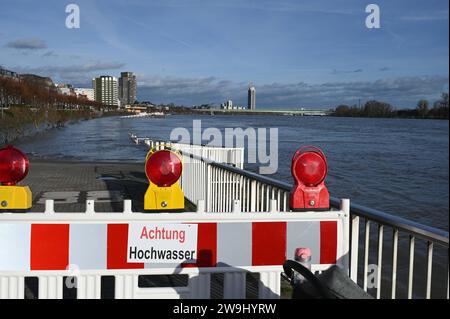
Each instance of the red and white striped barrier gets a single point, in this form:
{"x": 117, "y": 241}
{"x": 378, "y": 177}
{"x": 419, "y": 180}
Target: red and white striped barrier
{"x": 50, "y": 245}
{"x": 32, "y": 247}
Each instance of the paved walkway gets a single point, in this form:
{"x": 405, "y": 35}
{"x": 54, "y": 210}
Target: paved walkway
{"x": 70, "y": 184}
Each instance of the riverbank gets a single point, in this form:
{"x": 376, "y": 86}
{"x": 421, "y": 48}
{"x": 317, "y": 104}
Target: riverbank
{"x": 20, "y": 122}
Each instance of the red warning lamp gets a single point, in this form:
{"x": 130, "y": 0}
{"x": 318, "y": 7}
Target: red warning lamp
{"x": 309, "y": 169}
{"x": 163, "y": 168}
{"x": 14, "y": 166}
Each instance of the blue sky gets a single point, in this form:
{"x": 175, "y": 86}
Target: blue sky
{"x": 296, "y": 53}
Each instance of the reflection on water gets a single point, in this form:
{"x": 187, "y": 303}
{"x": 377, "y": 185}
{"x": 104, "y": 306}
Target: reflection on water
{"x": 400, "y": 166}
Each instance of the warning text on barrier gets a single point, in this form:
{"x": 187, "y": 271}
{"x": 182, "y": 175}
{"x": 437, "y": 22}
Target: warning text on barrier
{"x": 162, "y": 243}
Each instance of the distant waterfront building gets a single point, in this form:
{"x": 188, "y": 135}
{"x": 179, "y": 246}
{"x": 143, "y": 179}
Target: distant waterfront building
{"x": 251, "y": 105}
{"x": 106, "y": 90}
{"x": 65, "y": 89}
{"x": 8, "y": 74}
{"x": 33, "y": 79}
{"x": 228, "y": 105}
{"x": 84, "y": 92}
{"x": 127, "y": 88}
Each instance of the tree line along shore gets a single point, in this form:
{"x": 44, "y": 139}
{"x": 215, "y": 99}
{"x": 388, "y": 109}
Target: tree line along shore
{"x": 423, "y": 110}
{"x": 31, "y": 105}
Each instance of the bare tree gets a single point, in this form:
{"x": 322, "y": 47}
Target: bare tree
{"x": 422, "y": 108}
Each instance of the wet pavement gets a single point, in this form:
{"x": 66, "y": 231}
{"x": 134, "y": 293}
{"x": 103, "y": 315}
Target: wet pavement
{"x": 71, "y": 183}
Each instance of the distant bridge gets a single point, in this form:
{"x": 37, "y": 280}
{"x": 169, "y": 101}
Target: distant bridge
{"x": 297, "y": 112}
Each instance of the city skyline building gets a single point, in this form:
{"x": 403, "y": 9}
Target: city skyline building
{"x": 106, "y": 90}
{"x": 251, "y": 102}
{"x": 86, "y": 92}
{"x": 127, "y": 88}
{"x": 8, "y": 74}
{"x": 65, "y": 89}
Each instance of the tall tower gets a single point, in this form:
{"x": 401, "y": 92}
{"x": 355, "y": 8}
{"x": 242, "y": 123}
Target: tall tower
{"x": 105, "y": 90}
{"x": 251, "y": 104}
{"x": 127, "y": 88}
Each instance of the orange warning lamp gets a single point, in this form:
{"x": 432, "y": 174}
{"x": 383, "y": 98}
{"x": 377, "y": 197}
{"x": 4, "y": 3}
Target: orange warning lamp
{"x": 163, "y": 168}
{"x": 14, "y": 167}
{"x": 309, "y": 169}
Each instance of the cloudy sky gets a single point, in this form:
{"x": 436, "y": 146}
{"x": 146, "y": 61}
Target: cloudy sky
{"x": 297, "y": 53}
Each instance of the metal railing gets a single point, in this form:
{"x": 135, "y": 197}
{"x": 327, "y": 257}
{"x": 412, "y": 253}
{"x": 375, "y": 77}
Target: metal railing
{"x": 220, "y": 185}
{"x": 230, "y": 155}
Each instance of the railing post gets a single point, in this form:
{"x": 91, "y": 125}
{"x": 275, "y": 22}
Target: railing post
{"x": 273, "y": 205}
{"x": 200, "y": 206}
{"x": 429, "y": 268}
{"x": 49, "y": 206}
{"x": 90, "y": 207}
{"x": 345, "y": 208}
{"x": 354, "y": 252}
{"x": 366, "y": 252}
{"x": 253, "y": 196}
{"x": 394, "y": 263}
{"x": 380, "y": 259}
{"x": 412, "y": 241}
{"x": 127, "y": 206}
{"x": 236, "y": 206}
{"x": 208, "y": 186}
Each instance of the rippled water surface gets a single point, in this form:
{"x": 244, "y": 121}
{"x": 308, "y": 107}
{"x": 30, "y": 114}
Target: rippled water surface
{"x": 400, "y": 166}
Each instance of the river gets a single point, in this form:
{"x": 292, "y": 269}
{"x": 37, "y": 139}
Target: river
{"x": 397, "y": 165}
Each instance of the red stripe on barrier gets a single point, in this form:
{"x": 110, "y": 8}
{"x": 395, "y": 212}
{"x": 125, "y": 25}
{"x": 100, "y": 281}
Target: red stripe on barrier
{"x": 328, "y": 242}
{"x": 49, "y": 246}
{"x": 206, "y": 246}
{"x": 118, "y": 248}
{"x": 268, "y": 243}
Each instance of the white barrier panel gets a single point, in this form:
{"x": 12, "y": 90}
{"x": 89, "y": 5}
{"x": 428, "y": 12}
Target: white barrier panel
{"x": 90, "y": 245}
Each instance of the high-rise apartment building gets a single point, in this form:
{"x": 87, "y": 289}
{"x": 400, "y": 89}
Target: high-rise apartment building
{"x": 251, "y": 104}
{"x": 106, "y": 90}
{"x": 127, "y": 88}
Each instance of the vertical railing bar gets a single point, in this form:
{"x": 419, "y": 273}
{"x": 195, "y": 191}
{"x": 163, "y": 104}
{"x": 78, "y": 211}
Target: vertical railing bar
{"x": 448, "y": 279}
{"x": 366, "y": 252}
{"x": 412, "y": 241}
{"x": 258, "y": 185}
{"x": 220, "y": 194}
{"x": 230, "y": 192}
{"x": 241, "y": 192}
{"x": 429, "y": 267}
{"x": 253, "y": 196}
{"x": 394, "y": 263}
{"x": 216, "y": 189}
{"x": 279, "y": 200}
{"x": 208, "y": 186}
{"x": 354, "y": 248}
{"x": 380, "y": 259}
{"x": 226, "y": 195}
